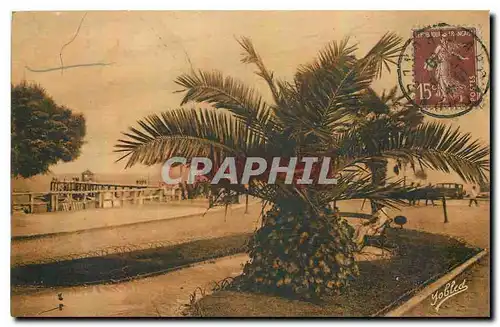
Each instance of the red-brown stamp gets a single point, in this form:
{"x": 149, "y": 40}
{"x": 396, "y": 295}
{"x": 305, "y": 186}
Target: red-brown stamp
{"x": 445, "y": 71}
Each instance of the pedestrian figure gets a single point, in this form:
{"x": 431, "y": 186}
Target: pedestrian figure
{"x": 412, "y": 195}
{"x": 473, "y": 196}
{"x": 429, "y": 195}
{"x": 430, "y": 199}
{"x": 183, "y": 191}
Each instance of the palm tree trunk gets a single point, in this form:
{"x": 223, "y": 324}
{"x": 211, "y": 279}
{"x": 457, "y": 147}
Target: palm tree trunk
{"x": 378, "y": 170}
{"x": 299, "y": 253}
{"x": 246, "y": 203}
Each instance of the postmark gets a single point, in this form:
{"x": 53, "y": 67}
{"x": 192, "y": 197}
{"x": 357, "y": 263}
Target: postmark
{"x": 444, "y": 70}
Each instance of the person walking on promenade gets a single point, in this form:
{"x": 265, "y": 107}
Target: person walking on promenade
{"x": 473, "y": 196}
{"x": 430, "y": 194}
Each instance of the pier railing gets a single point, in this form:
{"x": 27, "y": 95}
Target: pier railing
{"x": 52, "y": 201}
{"x": 57, "y": 185}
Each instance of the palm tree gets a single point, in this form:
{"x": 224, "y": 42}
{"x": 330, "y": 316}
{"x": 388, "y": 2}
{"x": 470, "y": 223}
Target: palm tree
{"x": 302, "y": 248}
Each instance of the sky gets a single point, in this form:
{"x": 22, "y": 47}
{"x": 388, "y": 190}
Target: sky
{"x": 148, "y": 50}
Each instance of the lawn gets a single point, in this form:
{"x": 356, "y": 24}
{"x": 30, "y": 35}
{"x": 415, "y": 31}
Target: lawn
{"x": 382, "y": 284}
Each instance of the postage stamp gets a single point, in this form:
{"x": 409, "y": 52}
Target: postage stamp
{"x": 445, "y": 68}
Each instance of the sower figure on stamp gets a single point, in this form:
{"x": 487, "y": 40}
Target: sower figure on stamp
{"x": 473, "y": 196}
{"x": 440, "y": 61}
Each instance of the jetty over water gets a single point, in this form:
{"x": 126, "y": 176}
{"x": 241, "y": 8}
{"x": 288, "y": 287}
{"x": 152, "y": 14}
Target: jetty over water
{"x": 57, "y": 185}
{"x": 76, "y": 195}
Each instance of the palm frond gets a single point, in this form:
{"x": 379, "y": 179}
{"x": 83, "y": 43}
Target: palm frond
{"x": 329, "y": 80}
{"x": 227, "y": 93}
{"x": 391, "y": 96}
{"x": 354, "y": 186}
{"x": 188, "y": 133}
{"x": 250, "y": 56}
{"x": 429, "y": 145}
{"x": 332, "y": 55}
{"x": 384, "y": 53}
{"x": 441, "y": 147}
{"x": 337, "y": 84}
{"x": 319, "y": 101}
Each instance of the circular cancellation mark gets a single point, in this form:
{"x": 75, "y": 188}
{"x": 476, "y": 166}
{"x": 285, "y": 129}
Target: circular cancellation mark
{"x": 444, "y": 70}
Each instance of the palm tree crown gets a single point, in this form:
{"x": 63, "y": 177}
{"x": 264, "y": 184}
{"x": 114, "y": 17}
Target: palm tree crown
{"x": 312, "y": 115}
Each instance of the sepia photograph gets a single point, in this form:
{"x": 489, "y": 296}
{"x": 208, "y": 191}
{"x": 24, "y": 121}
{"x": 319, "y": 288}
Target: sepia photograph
{"x": 218, "y": 164}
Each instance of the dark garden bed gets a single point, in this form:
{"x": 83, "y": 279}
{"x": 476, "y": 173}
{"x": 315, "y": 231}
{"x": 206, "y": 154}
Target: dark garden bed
{"x": 124, "y": 266}
{"x": 422, "y": 258}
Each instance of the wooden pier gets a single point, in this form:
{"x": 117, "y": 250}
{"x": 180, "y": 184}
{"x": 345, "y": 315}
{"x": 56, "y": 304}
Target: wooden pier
{"x": 74, "y": 195}
{"x": 57, "y": 185}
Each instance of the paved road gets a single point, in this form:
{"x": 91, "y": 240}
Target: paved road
{"x": 70, "y": 221}
{"x": 156, "y": 224}
{"x": 126, "y": 238}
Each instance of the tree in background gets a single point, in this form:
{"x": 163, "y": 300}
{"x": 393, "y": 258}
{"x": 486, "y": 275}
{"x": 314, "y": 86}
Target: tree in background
{"x": 42, "y": 132}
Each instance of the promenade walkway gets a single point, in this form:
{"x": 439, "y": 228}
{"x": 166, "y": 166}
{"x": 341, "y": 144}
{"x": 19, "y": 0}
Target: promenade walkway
{"x": 106, "y": 231}
{"x": 24, "y": 225}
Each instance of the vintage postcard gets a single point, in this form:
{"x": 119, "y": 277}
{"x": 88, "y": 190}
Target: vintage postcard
{"x": 250, "y": 164}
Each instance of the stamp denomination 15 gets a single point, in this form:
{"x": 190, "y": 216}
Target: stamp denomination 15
{"x": 444, "y": 70}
